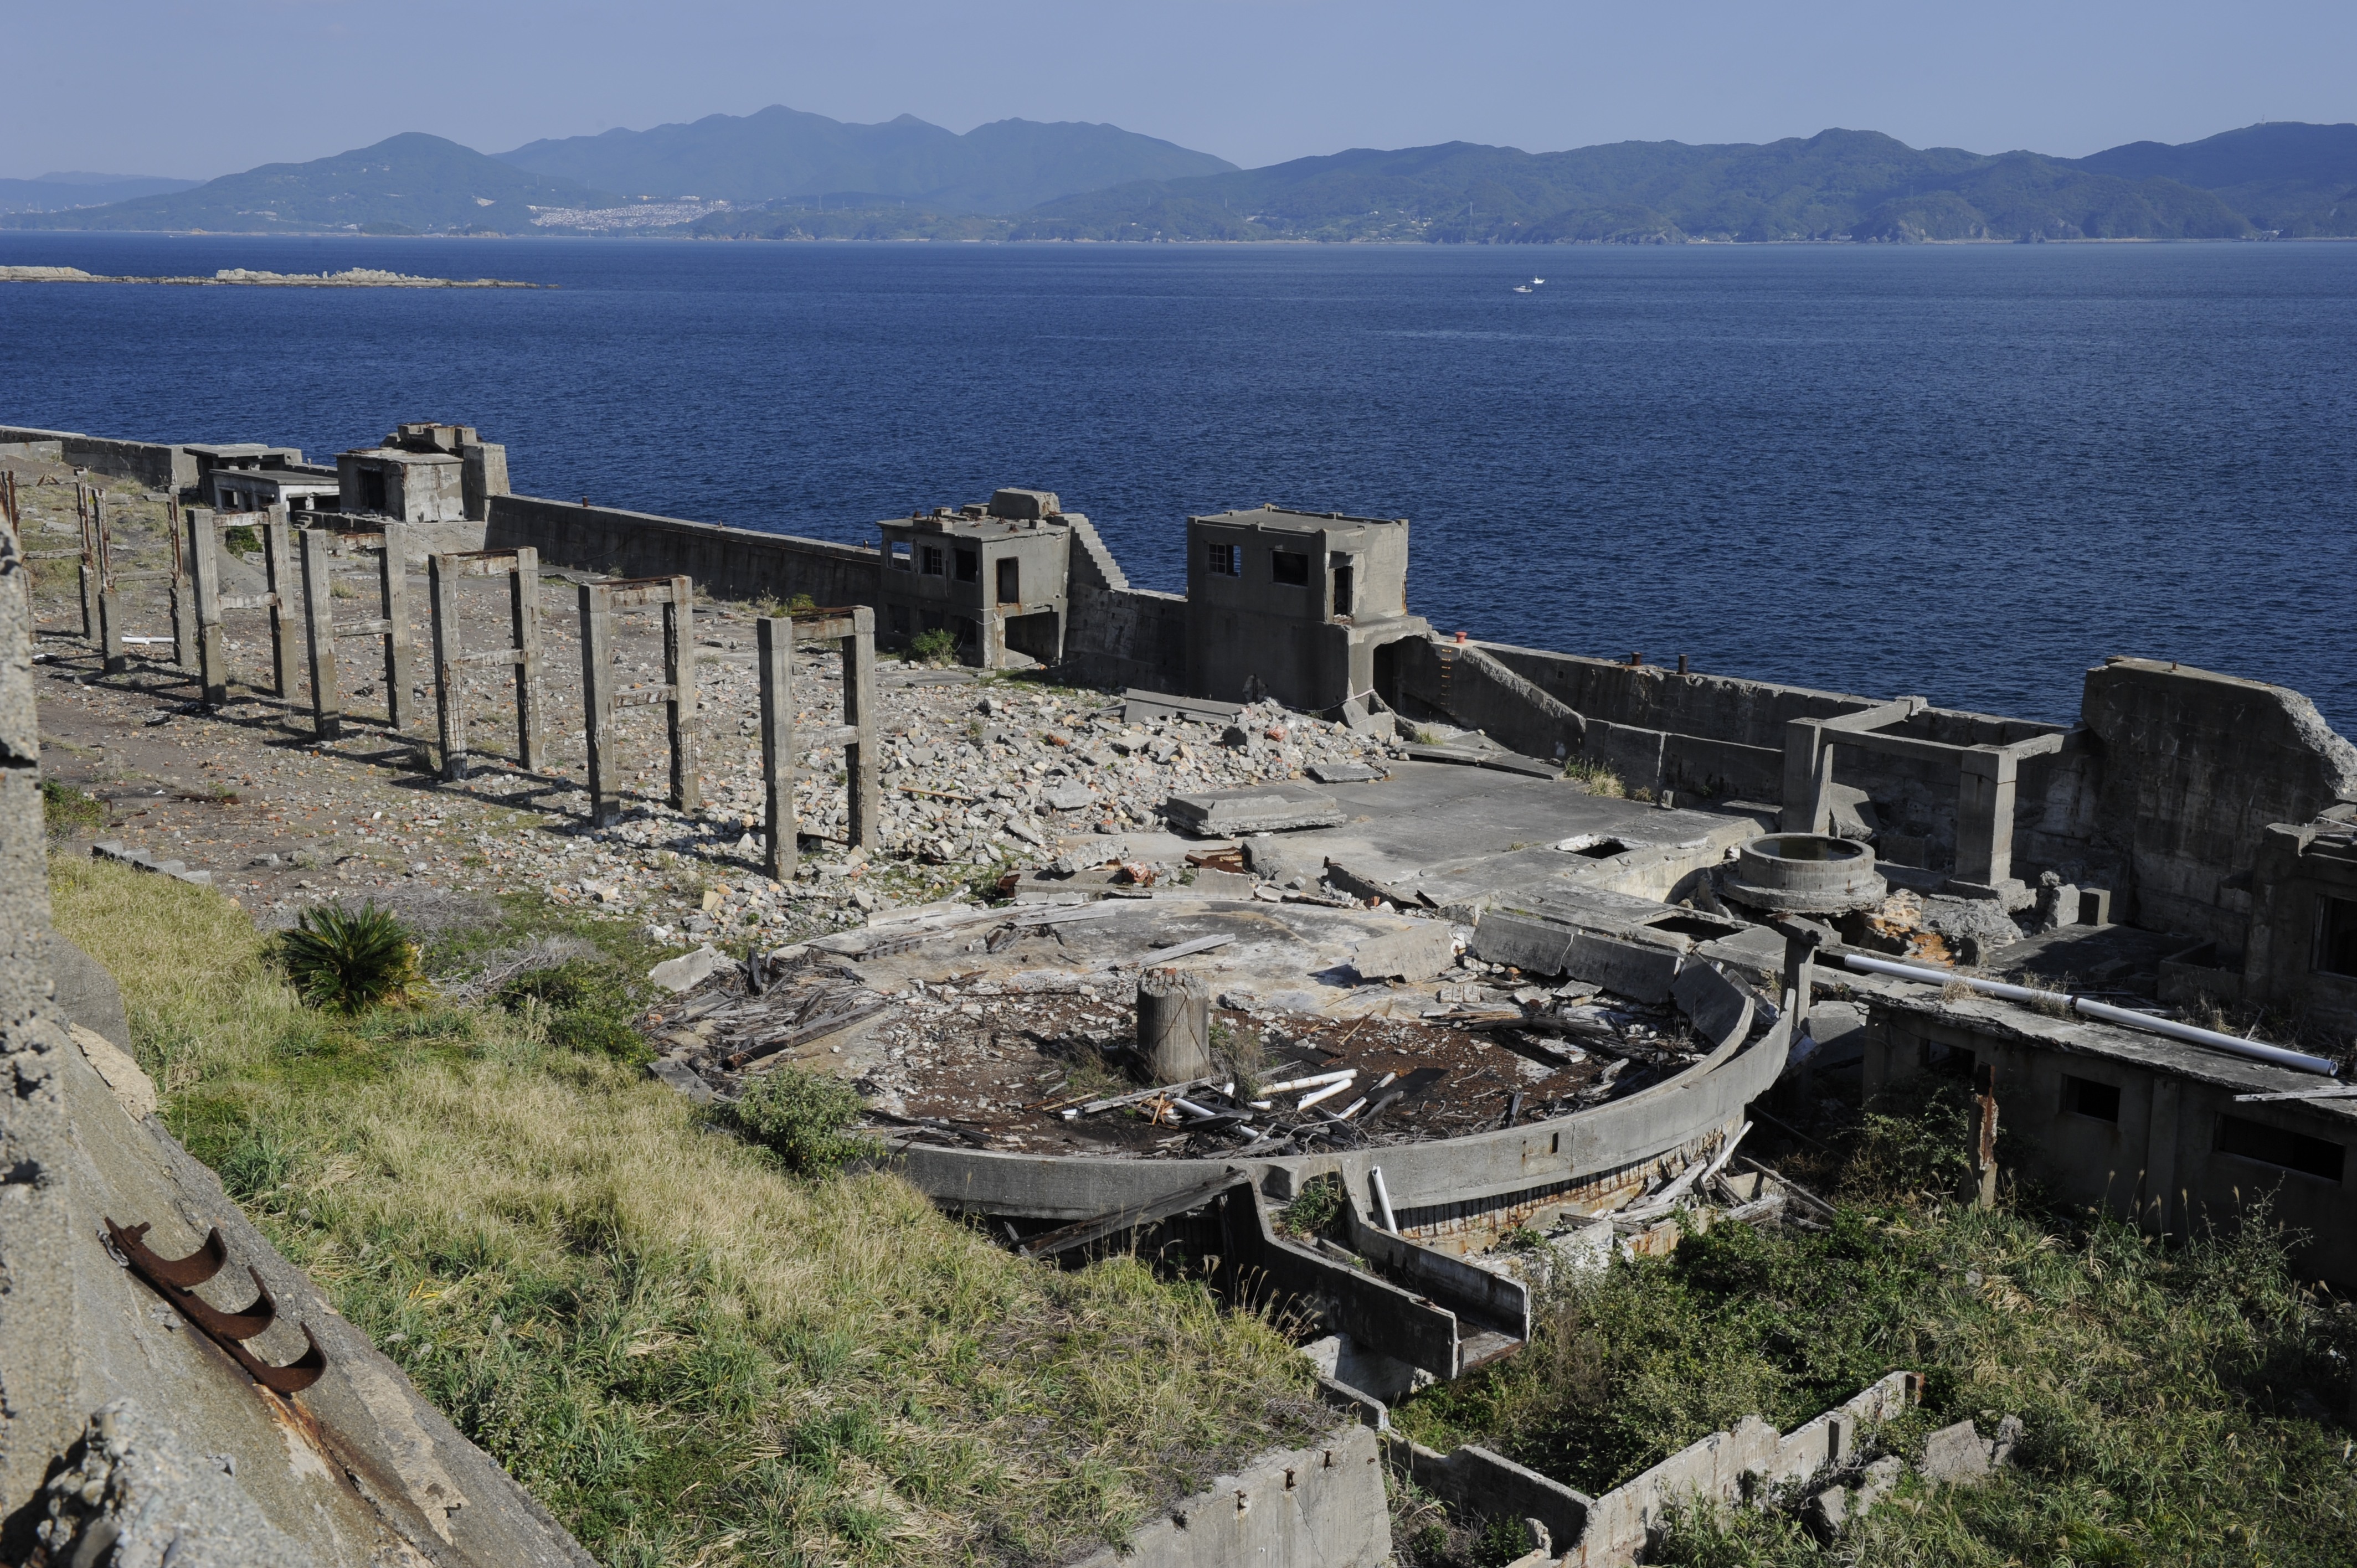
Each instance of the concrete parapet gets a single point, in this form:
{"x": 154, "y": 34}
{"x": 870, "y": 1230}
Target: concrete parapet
{"x": 732, "y": 562}
{"x": 1477, "y": 1483}
{"x": 1317, "y": 1506}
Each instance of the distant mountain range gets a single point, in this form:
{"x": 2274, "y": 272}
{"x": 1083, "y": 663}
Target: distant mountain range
{"x": 56, "y": 192}
{"x": 1837, "y": 185}
{"x": 1007, "y": 166}
{"x": 784, "y": 175}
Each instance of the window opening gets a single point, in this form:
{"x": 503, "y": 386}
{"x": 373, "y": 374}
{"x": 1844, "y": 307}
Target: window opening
{"x": 1289, "y": 567}
{"x": 2085, "y": 1097}
{"x": 2336, "y": 935}
{"x": 1010, "y": 581}
{"x": 2318, "y": 1157}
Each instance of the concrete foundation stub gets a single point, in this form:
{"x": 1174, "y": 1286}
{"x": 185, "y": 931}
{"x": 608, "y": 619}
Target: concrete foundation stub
{"x": 1804, "y": 873}
{"x": 1173, "y": 1024}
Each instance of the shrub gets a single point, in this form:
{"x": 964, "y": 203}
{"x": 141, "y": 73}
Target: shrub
{"x": 935, "y": 646}
{"x": 349, "y": 959}
{"x": 66, "y": 811}
{"x": 803, "y": 1118}
{"x": 1315, "y": 1208}
{"x": 588, "y": 1004}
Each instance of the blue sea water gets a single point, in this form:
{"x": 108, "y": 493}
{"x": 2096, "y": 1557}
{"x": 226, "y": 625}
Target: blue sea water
{"x": 1967, "y": 472}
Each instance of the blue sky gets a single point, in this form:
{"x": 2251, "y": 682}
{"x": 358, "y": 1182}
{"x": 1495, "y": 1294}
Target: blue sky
{"x": 175, "y": 87}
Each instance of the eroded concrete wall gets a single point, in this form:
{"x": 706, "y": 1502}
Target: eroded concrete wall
{"x": 1319, "y": 1507}
{"x": 2194, "y": 768}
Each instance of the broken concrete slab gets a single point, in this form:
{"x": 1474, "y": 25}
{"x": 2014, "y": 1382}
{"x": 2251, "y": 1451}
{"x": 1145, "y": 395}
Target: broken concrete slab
{"x": 143, "y": 860}
{"x": 1418, "y": 952}
{"x": 1522, "y": 942}
{"x": 1957, "y": 1453}
{"x": 682, "y": 1078}
{"x": 1635, "y": 970}
{"x": 1719, "y": 1009}
{"x": 1069, "y": 795}
{"x": 1343, "y": 772}
{"x": 1268, "y": 807}
{"x": 689, "y": 970}
{"x": 1138, "y": 707}
{"x": 1836, "y": 1507}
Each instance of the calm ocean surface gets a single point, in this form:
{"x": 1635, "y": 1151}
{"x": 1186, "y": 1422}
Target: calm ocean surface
{"x": 1964, "y": 472}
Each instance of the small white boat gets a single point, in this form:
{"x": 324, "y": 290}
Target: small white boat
{"x": 1522, "y": 288}
{"x": 1535, "y": 282}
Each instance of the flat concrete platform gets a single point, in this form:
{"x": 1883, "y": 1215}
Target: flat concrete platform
{"x": 1458, "y": 838}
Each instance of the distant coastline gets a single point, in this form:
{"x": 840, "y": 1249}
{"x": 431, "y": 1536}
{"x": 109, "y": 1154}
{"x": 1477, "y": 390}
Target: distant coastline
{"x": 232, "y": 277}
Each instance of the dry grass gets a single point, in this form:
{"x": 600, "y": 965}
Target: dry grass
{"x": 688, "y": 1354}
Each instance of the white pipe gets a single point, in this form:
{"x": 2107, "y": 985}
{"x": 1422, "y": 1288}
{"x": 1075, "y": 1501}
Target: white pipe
{"x": 1291, "y": 1084}
{"x": 2171, "y": 1028}
{"x": 1191, "y": 1109}
{"x": 1329, "y": 1092}
{"x": 1383, "y": 1198}
{"x": 1351, "y": 1110}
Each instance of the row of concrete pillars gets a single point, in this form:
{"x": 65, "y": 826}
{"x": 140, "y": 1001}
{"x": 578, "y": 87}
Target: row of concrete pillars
{"x": 312, "y": 631}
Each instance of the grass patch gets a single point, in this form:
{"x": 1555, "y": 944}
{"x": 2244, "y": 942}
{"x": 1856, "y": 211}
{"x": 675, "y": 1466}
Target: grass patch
{"x": 2175, "y": 1395}
{"x": 1600, "y": 778}
{"x": 937, "y": 646}
{"x": 687, "y": 1353}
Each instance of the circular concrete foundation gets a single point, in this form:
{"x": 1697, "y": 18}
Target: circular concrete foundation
{"x": 1804, "y": 873}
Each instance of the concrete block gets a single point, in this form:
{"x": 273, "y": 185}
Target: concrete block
{"x": 1213, "y": 883}
{"x": 1634, "y": 970}
{"x": 1269, "y": 807}
{"x": 1418, "y": 952}
{"x": 1343, "y": 773}
{"x": 2094, "y": 906}
{"x": 689, "y": 971}
{"x": 1070, "y": 796}
{"x": 1954, "y": 1454}
{"x": 1526, "y": 942}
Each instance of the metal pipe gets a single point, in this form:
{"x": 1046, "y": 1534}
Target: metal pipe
{"x": 2275, "y": 1056}
{"x": 1383, "y": 1198}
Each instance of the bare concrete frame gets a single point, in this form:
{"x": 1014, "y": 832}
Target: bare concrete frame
{"x": 599, "y": 700}
{"x": 522, "y": 569}
{"x": 783, "y": 746}
{"x": 1985, "y": 782}
{"x": 322, "y": 549}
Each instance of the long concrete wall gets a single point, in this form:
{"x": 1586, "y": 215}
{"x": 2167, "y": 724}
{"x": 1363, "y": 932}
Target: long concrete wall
{"x": 735, "y": 563}
{"x": 154, "y": 464}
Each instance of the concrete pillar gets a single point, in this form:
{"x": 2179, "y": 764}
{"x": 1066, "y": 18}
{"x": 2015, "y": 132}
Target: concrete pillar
{"x": 680, "y": 708}
{"x": 774, "y": 644}
{"x": 184, "y": 607}
{"x": 392, "y": 576}
{"x": 1174, "y": 1026}
{"x": 320, "y": 635}
{"x": 1985, "y": 792}
{"x": 1808, "y": 777}
{"x": 449, "y": 704}
{"x": 862, "y": 770}
{"x": 204, "y": 581}
{"x": 524, "y": 618}
{"x": 598, "y": 697}
{"x": 275, "y": 530}
{"x": 112, "y": 658}
{"x": 1981, "y": 1186}
{"x": 83, "y": 502}
{"x": 2161, "y": 1195}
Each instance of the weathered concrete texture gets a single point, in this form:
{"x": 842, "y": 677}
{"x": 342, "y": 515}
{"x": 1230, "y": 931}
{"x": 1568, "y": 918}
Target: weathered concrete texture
{"x": 1267, "y": 808}
{"x": 2196, "y": 767}
{"x": 2304, "y": 890}
{"x": 1319, "y": 1507}
{"x": 135, "y": 1494}
{"x": 1478, "y": 691}
{"x": 1419, "y": 953}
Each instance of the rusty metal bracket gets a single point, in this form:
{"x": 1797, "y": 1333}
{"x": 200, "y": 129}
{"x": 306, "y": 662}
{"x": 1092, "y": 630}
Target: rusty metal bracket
{"x": 174, "y": 1278}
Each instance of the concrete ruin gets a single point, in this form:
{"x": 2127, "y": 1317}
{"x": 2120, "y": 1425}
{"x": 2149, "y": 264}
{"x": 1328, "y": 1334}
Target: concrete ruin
{"x": 1609, "y": 977}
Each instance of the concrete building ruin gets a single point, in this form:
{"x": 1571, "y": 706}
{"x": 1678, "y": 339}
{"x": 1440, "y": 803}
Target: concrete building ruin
{"x": 2188, "y": 835}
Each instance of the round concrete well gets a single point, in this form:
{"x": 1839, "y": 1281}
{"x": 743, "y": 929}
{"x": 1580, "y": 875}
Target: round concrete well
{"x": 1804, "y": 873}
